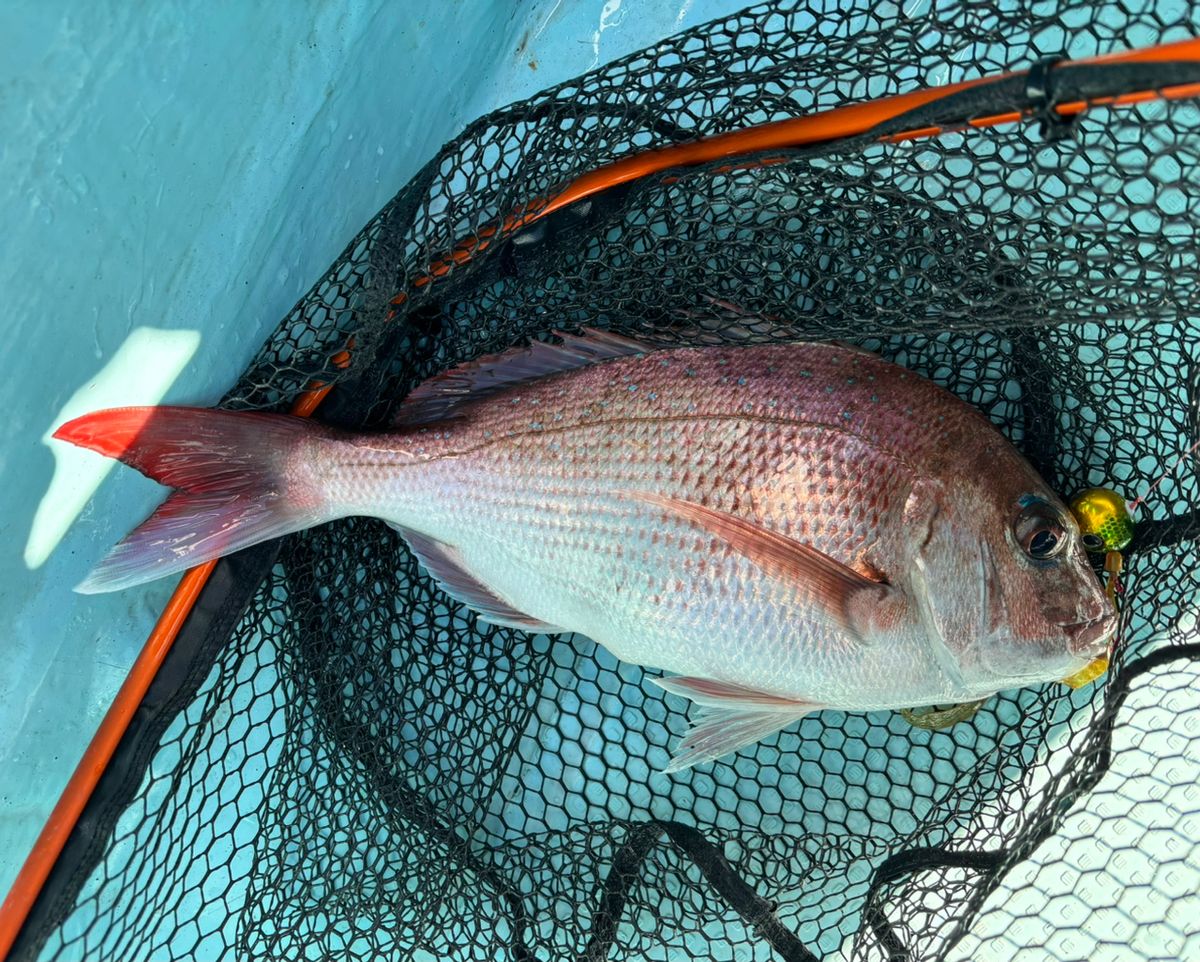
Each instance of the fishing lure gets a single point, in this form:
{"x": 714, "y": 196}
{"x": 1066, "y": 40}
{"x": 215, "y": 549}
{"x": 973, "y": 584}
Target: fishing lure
{"x": 1106, "y": 528}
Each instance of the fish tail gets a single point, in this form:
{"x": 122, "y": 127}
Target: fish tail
{"x": 240, "y": 479}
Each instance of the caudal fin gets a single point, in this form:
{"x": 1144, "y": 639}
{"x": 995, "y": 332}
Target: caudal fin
{"x": 236, "y": 485}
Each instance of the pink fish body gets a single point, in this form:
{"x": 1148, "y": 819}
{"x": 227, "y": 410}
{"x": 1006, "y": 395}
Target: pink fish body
{"x": 783, "y": 527}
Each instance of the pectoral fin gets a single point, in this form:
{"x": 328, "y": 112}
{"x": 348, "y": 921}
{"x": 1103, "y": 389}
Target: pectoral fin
{"x": 856, "y": 606}
{"x": 732, "y": 716}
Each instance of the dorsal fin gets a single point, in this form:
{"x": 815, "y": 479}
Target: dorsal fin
{"x": 437, "y": 398}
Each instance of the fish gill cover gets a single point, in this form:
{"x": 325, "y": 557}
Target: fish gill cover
{"x": 338, "y": 761}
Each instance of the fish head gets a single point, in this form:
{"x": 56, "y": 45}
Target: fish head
{"x": 1004, "y": 583}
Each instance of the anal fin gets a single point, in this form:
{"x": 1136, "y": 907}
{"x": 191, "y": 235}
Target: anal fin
{"x": 444, "y": 562}
{"x": 733, "y": 716}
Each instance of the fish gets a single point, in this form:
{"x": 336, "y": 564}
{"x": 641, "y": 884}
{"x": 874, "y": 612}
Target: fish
{"x": 783, "y": 528}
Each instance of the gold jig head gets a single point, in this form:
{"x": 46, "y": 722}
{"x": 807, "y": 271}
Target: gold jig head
{"x": 1106, "y": 528}
{"x": 1104, "y": 520}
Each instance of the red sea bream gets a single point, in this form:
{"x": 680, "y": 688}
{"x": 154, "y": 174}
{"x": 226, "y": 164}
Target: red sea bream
{"x": 783, "y": 527}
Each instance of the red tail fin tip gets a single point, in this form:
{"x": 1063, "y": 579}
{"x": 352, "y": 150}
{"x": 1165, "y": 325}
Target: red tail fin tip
{"x": 237, "y": 484}
{"x": 109, "y": 432}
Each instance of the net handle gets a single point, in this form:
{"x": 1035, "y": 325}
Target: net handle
{"x": 839, "y": 123}
{"x": 829, "y": 126}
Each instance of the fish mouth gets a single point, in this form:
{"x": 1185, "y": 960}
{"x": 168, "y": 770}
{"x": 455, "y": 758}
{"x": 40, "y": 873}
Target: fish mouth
{"x": 1087, "y": 638}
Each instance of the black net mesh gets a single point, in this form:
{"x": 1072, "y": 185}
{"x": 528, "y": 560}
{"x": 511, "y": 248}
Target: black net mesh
{"x": 358, "y": 769}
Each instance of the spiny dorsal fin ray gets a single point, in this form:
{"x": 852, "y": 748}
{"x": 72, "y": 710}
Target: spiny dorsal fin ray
{"x": 440, "y": 396}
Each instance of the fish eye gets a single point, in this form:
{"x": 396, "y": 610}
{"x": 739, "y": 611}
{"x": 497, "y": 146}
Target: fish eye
{"x": 1039, "y": 532}
{"x": 1093, "y": 542}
